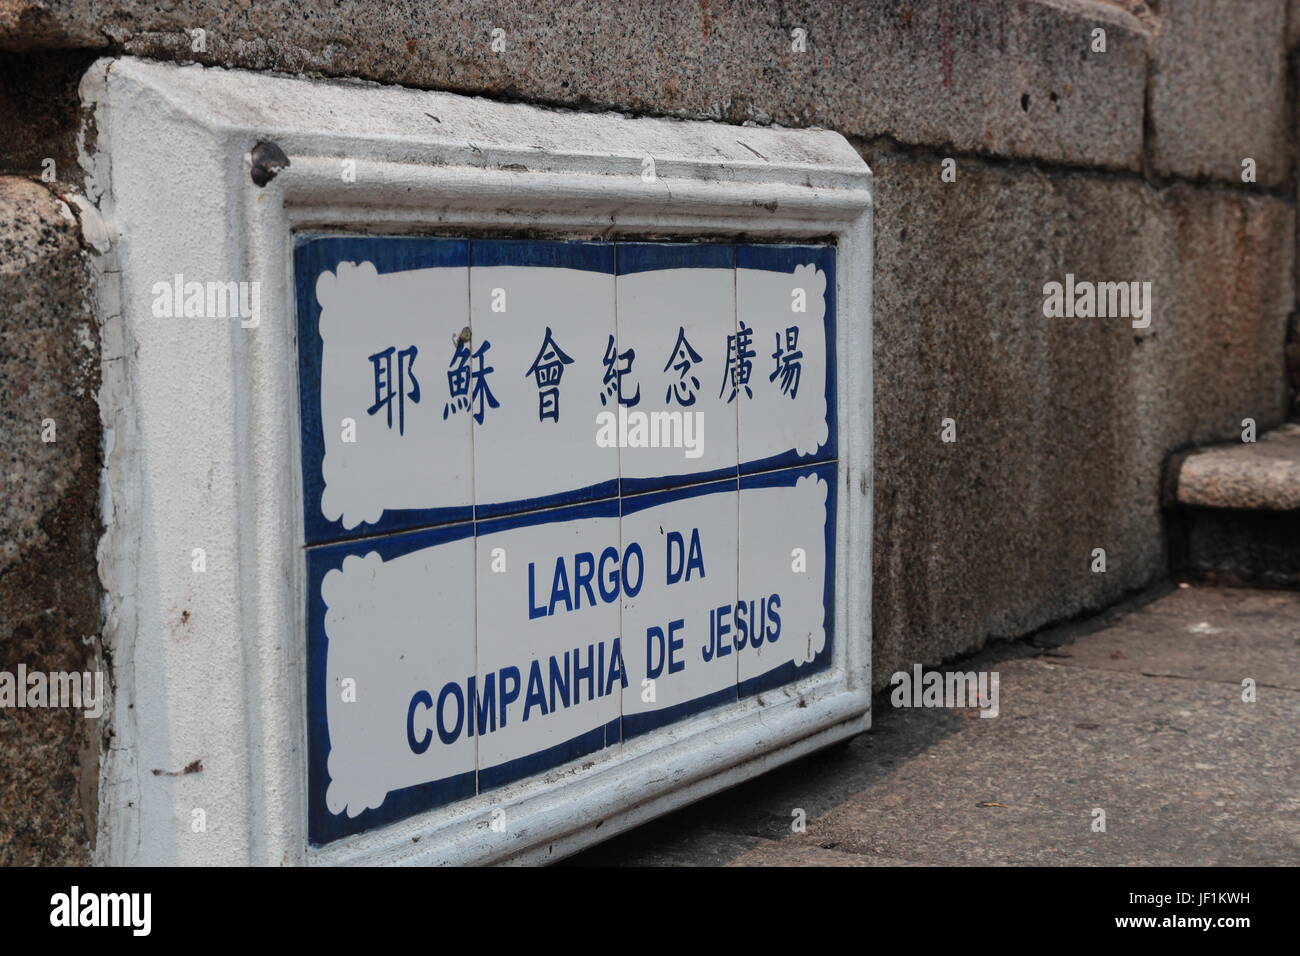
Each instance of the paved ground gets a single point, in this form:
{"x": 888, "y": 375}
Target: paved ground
{"x": 1138, "y": 713}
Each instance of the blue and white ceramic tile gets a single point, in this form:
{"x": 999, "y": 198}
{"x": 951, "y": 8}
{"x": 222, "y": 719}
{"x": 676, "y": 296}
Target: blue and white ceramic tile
{"x": 550, "y": 667}
{"x": 785, "y": 313}
{"x": 787, "y": 567}
{"x": 677, "y": 630}
{"x": 676, "y": 321}
{"x": 474, "y": 377}
{"x": 390, "y": 625}
{"x": 542, "y": 315}
{"x": 377, "y": 318}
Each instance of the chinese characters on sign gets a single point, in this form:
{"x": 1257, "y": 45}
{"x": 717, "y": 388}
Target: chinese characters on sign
{"x": 683, "y": 359}
{"x": 467, "y": 386}
{"x": 547, "y": 370}
{"x": 383, "y": 368}
{"x": 506, "y": 591}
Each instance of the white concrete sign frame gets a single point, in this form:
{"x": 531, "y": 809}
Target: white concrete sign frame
{"x": 202, "y": 451}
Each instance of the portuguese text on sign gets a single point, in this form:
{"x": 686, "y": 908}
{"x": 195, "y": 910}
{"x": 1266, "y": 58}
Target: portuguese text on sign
{"x": 557, "y": 495}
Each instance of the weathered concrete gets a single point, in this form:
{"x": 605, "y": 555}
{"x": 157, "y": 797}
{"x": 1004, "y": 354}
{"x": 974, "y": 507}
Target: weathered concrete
{"x": 1062, "y": 424}
{"x": 1263, "y": 474}
{"x": 1219, "y": 90}
{"x": 1214, "y": 634}
{"x": 49, "y": 587}
{"x": 689, "y": 841}
{"x": 1011, "y": 78}
{"x": 1187, "y": 772}
{"x": 1015, "y": 78}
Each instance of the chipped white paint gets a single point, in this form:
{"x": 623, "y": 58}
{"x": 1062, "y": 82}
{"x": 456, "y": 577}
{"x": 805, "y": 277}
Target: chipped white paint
{"x": 201, "y": 416}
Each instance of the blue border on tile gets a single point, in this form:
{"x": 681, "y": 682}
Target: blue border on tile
{"x": 632, "y": 487}
{"x": 499, "y": 775}
{"x": 635, "y": 725}
{"x": 788, "y": 672}
{"x": 543, "y": 253}
{"x": 636, "y": 257}
{"x": 322, "y": 825}
{"x": 605, "y": 490}
{"x": 652, "y": 499}
{"x": 607, "y": 508}
{"x": 614, "y": 732}
{"x": 314, "y": 254}
{"x": 785, "y": 258}
{"x": 589, "y": 741}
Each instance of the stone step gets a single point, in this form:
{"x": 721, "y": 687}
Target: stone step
{"x": 1234, "y": 512}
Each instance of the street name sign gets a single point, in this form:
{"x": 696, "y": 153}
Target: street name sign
{"x": 528, "y": 500}
{"x": 609, "y": 506}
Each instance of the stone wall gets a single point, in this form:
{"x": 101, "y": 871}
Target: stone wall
{"x": 49, "y": 521}
{"x": 1123, "y": 164}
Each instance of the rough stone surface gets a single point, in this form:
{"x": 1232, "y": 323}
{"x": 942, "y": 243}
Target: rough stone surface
{"x": 1187, "y": 772}
{"x": 1062, "y": 425}
{"x": 1219, "y": 90}
{"x": 1234, "y": 513}
{"x": 1263, "y": 474}
{"x": 48, "y": 365}
{"x": 1011, "y": 78}
{"x": 49, "y": 586}
{"x": 39, "y": 112}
